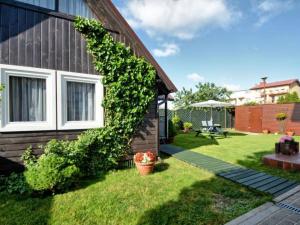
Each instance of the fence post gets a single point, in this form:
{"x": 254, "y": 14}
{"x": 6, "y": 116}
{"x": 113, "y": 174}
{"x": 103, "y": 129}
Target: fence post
{"x": 225, "y": 112}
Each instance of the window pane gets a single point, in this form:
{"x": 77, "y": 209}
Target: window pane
{"x": 49, "y": 4}
{"x": 27, "y": 99}
{"x": 76, "y": 8}
{"x": 80, "y": 101}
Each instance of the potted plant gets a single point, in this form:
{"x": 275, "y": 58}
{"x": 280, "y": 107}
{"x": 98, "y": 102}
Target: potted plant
{"x": 290, "y": 133}
{"x": 187, "y": 127}
{"x": 266, "y": 131}
{"x": 287, "y": 146}
{"x": 145, "y": 162}
{"x": 281, "y": 117}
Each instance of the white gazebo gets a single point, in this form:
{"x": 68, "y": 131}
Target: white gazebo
{"x": 212, "y": 104}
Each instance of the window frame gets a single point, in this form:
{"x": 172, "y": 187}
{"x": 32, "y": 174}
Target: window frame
{"x": 62, "y": 123}
{"x": 49, "y": 75}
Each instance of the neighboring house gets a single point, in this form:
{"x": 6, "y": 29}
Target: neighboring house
{"x": 273, "y": 91}
{"x": 243, "y": 97}
{"x": 276, "y": 89}
{"x": 51, "y": 87}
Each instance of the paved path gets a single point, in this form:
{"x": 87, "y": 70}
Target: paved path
{"x": 247, "y": 177}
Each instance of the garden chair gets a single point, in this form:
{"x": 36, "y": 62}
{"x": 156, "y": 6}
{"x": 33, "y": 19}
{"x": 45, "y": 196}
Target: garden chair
{"x": 204, "y": 128}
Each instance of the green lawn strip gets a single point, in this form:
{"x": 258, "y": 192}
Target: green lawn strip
{"x": 176, "y": 193}
{"x": 239, "y": 149}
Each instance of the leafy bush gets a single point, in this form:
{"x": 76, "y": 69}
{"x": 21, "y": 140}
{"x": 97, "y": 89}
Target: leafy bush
{"x": 2, "y": 183}
{"x": 187, "y": 125}
{"x": 52, "y": 172}
{"x": 281, "y": 116}
{"x": 14, "y": 184}
{"x": 250, "y": 103}
{"x": 289, "y": 98}
{"x": 171, "y": 129}
{"x": 129, "y": 84}
{"x": 178, "y": 124}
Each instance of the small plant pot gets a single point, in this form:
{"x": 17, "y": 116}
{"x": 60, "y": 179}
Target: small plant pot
{"x": 145, "y": 168}
{"x": 291, "y": 148}
{"x": 266, "y": 131}
{"x": 186, "y": 130}
{"x": 290, "y": 133}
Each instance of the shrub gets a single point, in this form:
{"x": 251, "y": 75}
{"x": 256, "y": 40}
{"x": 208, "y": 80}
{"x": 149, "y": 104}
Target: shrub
{"x": 289, "y": 98}
{"x": 281, "y": 116}
{"x": 187, "y": 125}
{"x": 52, "y": 172}
{"x": 178, "y": 124}
{"x": 250, "y": 103}
{"x": 172, "y": 130}
{"x": 15, "y": 183}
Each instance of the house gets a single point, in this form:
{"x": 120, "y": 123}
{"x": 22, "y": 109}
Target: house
{"x": 243, "y": 97}
{"x": 273, "y": 91}
{"x": 51, "y": 87}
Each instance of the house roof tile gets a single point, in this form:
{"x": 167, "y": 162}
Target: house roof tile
{"x": 275, "y": 84}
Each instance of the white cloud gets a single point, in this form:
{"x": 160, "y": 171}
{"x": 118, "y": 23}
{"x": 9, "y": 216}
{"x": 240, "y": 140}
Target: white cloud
{"x": 166, "y": 50}
{"x": 232, "y": 87}
{"x": 195, "y": 77}
{"x": 267, "y": 9}
{"x": 179, "y": 18}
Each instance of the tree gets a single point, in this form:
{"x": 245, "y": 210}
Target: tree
{"x": 183, "y": 98}
{"x": 204, "y": 91}
{"x": 209, "y": 91}
{"x": 289, "y": 98}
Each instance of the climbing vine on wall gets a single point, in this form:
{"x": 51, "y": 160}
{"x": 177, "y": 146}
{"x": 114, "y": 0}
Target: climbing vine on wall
{"x": 129, "y": 83}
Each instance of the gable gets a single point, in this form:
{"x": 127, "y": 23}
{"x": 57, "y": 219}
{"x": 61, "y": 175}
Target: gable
{"x": 108, "y": 14}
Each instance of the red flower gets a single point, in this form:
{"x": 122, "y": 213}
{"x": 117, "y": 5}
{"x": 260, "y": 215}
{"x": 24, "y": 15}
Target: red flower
{"x": 151, "y": 156}
{"x": 138, "y": 157}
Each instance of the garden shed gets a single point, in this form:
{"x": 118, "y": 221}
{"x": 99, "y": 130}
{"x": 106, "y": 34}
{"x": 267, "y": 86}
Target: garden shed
{"x": 52, "y": 90}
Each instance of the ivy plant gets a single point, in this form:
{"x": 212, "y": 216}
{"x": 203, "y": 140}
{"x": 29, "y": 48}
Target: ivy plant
{"x": 129, "y": 83}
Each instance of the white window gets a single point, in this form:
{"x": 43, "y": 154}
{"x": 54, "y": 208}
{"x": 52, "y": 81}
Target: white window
{"x": 28, "y": 99}
{"x": 79, "y": 101}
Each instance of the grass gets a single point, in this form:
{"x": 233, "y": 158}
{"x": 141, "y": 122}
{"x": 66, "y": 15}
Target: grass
{"x": 238, "y": 148}
{"x": 176, "y": 193}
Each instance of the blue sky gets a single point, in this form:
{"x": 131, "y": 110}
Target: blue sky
{"x": 232, "y": 43}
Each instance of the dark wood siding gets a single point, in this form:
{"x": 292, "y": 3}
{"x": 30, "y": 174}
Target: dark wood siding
{"x": 36, "y": 39}
{"x": 147, "y": 135}
{"x": 12, "y": 146}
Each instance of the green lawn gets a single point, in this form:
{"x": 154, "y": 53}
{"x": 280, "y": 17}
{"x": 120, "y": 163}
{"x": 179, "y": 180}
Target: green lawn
{"x": 238, "y": 148}
{"x": 176, "y": 193}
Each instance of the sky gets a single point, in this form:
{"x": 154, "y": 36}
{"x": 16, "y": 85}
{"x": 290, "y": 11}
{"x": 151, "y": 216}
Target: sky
{"x": 232, "y": 43}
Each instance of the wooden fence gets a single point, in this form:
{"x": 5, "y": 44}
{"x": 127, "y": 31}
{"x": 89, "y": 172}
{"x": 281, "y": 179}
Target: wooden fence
{"x": 263, "y": 117}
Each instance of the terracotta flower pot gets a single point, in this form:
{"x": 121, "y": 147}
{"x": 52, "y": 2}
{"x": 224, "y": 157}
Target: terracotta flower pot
{"x": 186, "y": 130}
{"x": 266, "y": 131}
{"x": 145, "y": 168}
